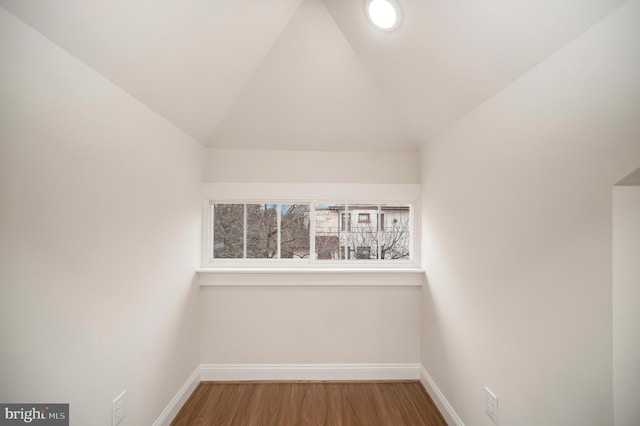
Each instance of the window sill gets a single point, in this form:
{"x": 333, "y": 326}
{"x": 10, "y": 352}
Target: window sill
{"x": 215, "y": 271}
{"x": 404, "y": 276}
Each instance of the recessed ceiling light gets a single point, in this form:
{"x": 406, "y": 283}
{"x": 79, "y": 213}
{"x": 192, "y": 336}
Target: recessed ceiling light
{"x": 384, "y": 14}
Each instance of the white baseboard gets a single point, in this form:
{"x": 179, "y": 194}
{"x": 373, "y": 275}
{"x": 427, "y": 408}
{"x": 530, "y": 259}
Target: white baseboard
{"x": 174, "y": 406}
{"x": 441, "y": 402}
{"x": 238, "y": 372}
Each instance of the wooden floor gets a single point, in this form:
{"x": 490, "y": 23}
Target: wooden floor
{"x": 309, "y": 403}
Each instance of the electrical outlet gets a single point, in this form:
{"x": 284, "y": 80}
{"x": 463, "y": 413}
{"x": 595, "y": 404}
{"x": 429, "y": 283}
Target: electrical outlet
{"x": 491, "y": 404}
{"x": 119, "y": 408}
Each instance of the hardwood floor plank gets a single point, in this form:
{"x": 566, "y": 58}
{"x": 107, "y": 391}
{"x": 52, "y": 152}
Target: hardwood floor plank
{"x": 255, "y": 408}
{"x": 336, "y": 406}
{"x": 387, "y": 402}
{"x": 309, "y": 403}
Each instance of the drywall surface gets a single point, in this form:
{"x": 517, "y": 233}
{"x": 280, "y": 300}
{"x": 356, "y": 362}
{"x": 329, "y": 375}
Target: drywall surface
{"x": 100, "y": 224}
{"x": 311, "y": 319}
{"x": 237, "y": 165}
{"x": 626, "y": 299}
{"x": 517, "y": 235}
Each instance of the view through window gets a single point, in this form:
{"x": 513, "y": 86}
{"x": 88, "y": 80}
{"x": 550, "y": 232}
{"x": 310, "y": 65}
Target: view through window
{"x": 312, "y": 231}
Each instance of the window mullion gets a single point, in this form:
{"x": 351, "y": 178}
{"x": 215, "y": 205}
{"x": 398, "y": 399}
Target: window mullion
{"x": 312, "y": 231}
{"x": 212, "y": 229}
{"x": 279, "y": 230}
{"x": 245, "y": 233}
{"x": 347, "y": 232}
{"x": 380, "y": 235}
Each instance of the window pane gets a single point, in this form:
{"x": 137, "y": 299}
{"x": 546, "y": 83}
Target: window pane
{"x": 396, "y": 232}
{"x": 228, "y": 231}
{"x": 331, "y": 222}
{"x": 262, "y": 231}
{"x": 294, "y": 226}
{"x": 362, "y": 240}
{"x": 362, "y": 231}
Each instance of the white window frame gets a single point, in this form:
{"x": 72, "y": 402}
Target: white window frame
{"x": 261, "y": 193}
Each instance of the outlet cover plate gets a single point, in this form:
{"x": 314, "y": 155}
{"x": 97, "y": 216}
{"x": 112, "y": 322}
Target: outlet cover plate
{"x": 119, "y": 408}
{"x": 491, "y": 404}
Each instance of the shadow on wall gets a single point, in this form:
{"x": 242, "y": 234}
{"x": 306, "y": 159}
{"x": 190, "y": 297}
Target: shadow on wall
{"x": 632, "y": 179}
{"x": 436, "y": 357}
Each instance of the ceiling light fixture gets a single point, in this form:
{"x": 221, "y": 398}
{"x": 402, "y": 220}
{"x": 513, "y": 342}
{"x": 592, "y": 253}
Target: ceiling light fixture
{"x": 384, "y": 14}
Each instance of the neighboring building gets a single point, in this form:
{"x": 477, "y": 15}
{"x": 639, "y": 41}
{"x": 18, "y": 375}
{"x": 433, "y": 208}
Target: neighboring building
{"x": 362, "y": 232}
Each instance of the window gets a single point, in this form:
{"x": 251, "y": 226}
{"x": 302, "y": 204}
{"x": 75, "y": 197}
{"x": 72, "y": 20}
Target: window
{"x": 312, "y": 232}
{"x": 345, "y": 221}
{"x": 260, "y": 231}
{"x": 364, "y": 218}
{"x": 363, "y": 252}
{"x": 364, "y": 240}
{"x": 294, "y": 231}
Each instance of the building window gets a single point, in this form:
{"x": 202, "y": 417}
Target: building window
{"x": 310, "y": 231}
{"x": 364, "y": 218}
{"x": 363, "y": 252}
{"x": 345, "y": 221}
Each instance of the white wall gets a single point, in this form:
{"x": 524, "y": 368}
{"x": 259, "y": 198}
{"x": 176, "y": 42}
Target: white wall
{"x": 517, "y": 235}
{"x": 237, "y": 165}
{"x": 100, "y": 224}
{"x": 308, "y": 318}
{"x": 626, "y": 299}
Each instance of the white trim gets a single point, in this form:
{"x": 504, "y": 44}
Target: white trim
{"x": 310, "y": 277}
{"x": 250, "y": 192}
{"x": 438, "y": 397}
{"x": 350, "y": 271}
{"x": 175, "y": 405}
{"x": 242, "y": 372}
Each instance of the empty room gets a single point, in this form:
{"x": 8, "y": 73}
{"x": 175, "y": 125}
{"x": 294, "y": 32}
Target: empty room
{"x": 436, "y": 195}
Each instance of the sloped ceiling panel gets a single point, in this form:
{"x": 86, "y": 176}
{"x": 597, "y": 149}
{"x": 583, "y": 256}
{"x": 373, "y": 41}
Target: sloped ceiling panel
{"x": 449, "y": 56}
{"x": 512, "y": 36}
{"x": 186, "y": 59}
{"x": 312, "y": 92}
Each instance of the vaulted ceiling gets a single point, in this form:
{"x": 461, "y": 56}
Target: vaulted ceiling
{"x": 310, "y": 74}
